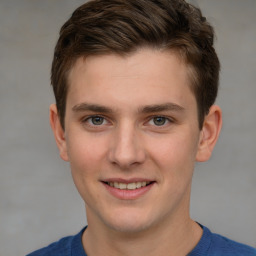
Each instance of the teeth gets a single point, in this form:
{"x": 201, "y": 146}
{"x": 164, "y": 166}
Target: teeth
{"x": 122, "y": 186}
{"x": 129, "y": 186}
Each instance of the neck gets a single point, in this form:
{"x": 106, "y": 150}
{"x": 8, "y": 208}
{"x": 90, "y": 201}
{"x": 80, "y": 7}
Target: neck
{"x": 175, "y": 239}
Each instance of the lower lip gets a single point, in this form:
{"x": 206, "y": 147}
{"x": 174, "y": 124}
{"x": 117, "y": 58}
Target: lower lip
{"x": 128, "y": 194}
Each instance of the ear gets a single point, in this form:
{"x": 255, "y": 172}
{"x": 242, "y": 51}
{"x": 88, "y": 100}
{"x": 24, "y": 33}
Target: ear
{"x": 58, "y": 131}
{"x": 209, "y": 134}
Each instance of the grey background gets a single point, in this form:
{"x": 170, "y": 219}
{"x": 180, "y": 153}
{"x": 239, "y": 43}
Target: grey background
{"x": 38, "y": 201}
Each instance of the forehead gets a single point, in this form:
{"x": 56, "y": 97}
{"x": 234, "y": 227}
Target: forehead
{"x": 145, "y": 75}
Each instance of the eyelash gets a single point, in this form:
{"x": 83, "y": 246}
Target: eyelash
{"x": 166, "y": 120}
{"x": 89, "y": 121}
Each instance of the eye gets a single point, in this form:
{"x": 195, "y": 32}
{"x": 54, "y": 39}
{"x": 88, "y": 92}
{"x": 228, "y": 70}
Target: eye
{"x": 158, "y": 120}
{"x": 96, "y": 120}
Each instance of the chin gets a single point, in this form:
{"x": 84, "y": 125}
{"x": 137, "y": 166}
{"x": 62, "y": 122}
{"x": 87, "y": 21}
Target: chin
{"x": 129, "y": 227}
{"x": 129, "y": 223}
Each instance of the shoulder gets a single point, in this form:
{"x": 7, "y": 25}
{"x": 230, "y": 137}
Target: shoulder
{"x": 63, "y": 247}
{"x": 229, "y": 247}
{"x": 212, "y": 244}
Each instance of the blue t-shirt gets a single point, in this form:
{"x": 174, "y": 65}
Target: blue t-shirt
{"x": 210, "y": 244}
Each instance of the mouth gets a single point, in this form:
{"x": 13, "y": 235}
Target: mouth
{"x": 128, "y": 190}
{"x": 128, "y": 186}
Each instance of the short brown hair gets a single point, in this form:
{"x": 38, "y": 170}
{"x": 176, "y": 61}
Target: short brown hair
{"x": 123, "y": 26}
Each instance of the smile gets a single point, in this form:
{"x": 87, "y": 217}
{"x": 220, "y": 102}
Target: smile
{"x": 129, "y": 186}
{"x": 128, "y": 190}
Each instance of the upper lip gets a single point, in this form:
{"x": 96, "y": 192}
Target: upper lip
{"x": 126, "y": 181}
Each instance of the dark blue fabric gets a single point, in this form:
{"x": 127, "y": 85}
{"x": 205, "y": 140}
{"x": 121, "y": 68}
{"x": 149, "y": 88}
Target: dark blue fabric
{"x": 67, "y": 246}
{"x": 209, "y": 245}
{"x": 212, "y": 244}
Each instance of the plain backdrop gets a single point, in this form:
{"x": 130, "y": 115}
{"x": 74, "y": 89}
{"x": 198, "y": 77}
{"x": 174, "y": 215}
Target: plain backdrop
{"x": 38, "y": 201}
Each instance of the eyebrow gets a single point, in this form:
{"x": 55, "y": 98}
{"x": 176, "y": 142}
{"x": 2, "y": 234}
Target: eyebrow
{"x": 91, "y": 107}
{"x": 145, "y": 109}
{"x": 161, "y": 107}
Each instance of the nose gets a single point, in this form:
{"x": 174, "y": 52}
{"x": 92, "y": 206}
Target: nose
{"x": 127, "y": 147}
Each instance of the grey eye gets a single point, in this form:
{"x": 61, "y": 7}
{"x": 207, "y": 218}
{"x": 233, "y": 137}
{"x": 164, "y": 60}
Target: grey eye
{"x": 159, "y": 120}
{"x": 97, "y": 120}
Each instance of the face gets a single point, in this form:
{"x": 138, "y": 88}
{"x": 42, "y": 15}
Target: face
{"x": 131, "y": 137}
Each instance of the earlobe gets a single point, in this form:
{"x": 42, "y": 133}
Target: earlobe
{"x": 209, "y": 134}
{"x": 58, "y": 132}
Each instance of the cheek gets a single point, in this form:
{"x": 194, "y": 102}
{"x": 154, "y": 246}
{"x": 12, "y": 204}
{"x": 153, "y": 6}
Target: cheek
{"x": 175, "y": 148}
{"x": 86, "y": 161}
{"x": 85, "y": 151}
{"x": 175, "y": 156}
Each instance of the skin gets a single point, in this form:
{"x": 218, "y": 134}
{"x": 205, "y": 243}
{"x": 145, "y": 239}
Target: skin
{"x": 135, "y": 118}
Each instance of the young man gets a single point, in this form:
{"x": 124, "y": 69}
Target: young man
{"x": 135, "y": 84}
